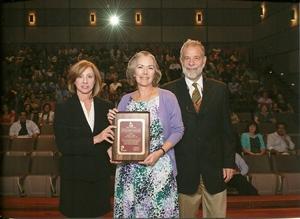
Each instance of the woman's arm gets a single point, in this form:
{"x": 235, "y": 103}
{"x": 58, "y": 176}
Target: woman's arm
{"x": 175, "y": 127}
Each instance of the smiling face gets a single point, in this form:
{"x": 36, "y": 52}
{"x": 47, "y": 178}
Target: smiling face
{"x": 142, "y": 68}
{"x": 193, "y": 61}
{"x": 144, "y": 71}
{"x": 85, "y": 82}
{"x": 84, "y": 77}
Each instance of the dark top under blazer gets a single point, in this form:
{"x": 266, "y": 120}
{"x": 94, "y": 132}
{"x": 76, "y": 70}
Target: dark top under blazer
{"x": 81, "y": 158}
{"x": 207, "y": 145}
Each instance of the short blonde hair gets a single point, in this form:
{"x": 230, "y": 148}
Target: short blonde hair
{"x": 188, "y": 43}
{"x": 132, "y": 65}
{"x": 77, "y": 69}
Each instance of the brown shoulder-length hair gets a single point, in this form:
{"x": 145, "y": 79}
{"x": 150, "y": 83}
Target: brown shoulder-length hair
{"x": 76, "y": 70}
{"x": 130, "y": 72}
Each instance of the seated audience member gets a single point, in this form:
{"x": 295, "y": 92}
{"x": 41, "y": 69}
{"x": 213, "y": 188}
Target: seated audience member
{"x": 23, "y": 127}
{"x": 49, "y": 99}
{"x": 35, "y": 103}
{"x": 279, "y": 142}
{"x": 264, "y": 115}
{"x": 264, "y": 99}
{"x": 283, "y": 104}
{"x": 174, "y": 71}
{"x": 234, "y": 87}
{"x": 234, "y": 118}
{"x": 28, "y": 110}
{"x": 239, "y": 181}
{"x": 47, "y": 115}
{"x": 7, "y": 116}
{"x": 115, "y": 84}
{"x": 252, "y": 141}
{"x": 276, "y": 108}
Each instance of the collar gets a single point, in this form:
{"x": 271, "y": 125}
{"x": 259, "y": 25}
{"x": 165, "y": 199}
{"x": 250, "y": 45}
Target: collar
{"x": 189, "y": 83}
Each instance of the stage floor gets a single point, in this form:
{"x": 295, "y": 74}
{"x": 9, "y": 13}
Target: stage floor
{"x": 266, "y": 206}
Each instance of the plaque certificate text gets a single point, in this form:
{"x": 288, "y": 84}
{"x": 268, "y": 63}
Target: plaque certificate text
{"x": 131, "y": 136}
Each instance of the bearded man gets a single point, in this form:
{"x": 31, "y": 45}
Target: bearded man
{"x": 205, "y": 155}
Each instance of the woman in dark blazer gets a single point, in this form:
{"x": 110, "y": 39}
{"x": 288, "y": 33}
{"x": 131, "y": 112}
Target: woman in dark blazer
{"x": 83, "y": 136}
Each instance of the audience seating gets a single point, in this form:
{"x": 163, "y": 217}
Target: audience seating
{"x": 57, "y": 186}
{"x": 267, "y": 127}
{"x": 4, "y": 128}
{"x": 240, "y": 127}
{"x": 288, "y": 167}
{"x": 22, "y": 144}
{"x": 296, "y": 140}
{"x": 43, "y": 172}
{"x": 245, "y": 116}
{"x": 291, "y": 119}
{"x": 46, "y": 143}
{"x": 261, "y": 175}
{"x": 4, "y": 143}
{"x": 15, "y": 166}
{"x": 47, "y": 130}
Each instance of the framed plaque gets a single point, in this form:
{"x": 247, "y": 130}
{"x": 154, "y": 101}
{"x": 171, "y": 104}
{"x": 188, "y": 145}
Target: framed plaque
{"x": 132, "y": 136}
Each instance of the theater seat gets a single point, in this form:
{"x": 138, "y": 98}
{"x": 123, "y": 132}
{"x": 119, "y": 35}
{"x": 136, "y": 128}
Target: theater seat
{"x": 240, "y": 127}
{"x": 22, "y": 144}
{"x": 43, "y": 172}
{"x": 261, "y": 175}
{"x": 245, "y": 116}
{"x": 46, "y": 143}
{"x": 4, "y": 143}
{"x": 288, "y": 167}
{"x": 57, "y": 187}
{"x": 296, "y": 140}
{"x": 4, "y": 128}
{"x": 47, "y": 129}
{"x": 14, "y": 168}
{"x": 265, "y": 183}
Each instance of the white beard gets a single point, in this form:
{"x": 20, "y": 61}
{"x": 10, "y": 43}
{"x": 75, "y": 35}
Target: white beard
{"x": 192, "y": 74}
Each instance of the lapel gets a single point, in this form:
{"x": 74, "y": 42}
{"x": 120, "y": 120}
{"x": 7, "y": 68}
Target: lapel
{"x": 206, "y": 95}
{"x": 186, "y": 100}
{"x": 98, "y": 112}
{"x": 183, "y": 96}
{"x": 80, "y": 114}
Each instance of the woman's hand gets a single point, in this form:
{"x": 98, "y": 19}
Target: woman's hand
{"x": 152, "y": 158}
{"x": 106, "y": 135}
{"x": 109, "y": 152}
{"x": 111, "y": 115}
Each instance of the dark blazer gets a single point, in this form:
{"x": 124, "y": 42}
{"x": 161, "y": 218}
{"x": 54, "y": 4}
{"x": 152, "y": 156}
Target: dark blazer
{"x": 85, "y": 167}
{"x": 81, "y": 159}
{"x": 208, "y": 143}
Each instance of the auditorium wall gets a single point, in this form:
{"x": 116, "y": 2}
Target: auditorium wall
{"x": 276, "y": 41}
{"x": 163, "y": 21}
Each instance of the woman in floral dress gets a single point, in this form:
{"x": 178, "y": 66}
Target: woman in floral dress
{"x": 148, "y": 188}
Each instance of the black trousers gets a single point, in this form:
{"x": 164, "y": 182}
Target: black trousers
{"x": 242, "y": 185}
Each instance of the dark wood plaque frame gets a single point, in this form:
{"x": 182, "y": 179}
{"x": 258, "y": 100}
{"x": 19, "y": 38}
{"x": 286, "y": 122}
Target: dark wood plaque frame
{"x": 141, "y": 118}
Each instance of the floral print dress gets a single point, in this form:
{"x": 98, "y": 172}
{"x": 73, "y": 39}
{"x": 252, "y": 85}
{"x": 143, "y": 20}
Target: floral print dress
{"x": 147, "y": 191}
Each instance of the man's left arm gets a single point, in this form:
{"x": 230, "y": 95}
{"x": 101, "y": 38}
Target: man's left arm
{"x": 291, "y": 144}
{"x": 228, "y": 140}
{"x": 34, "y": 128}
